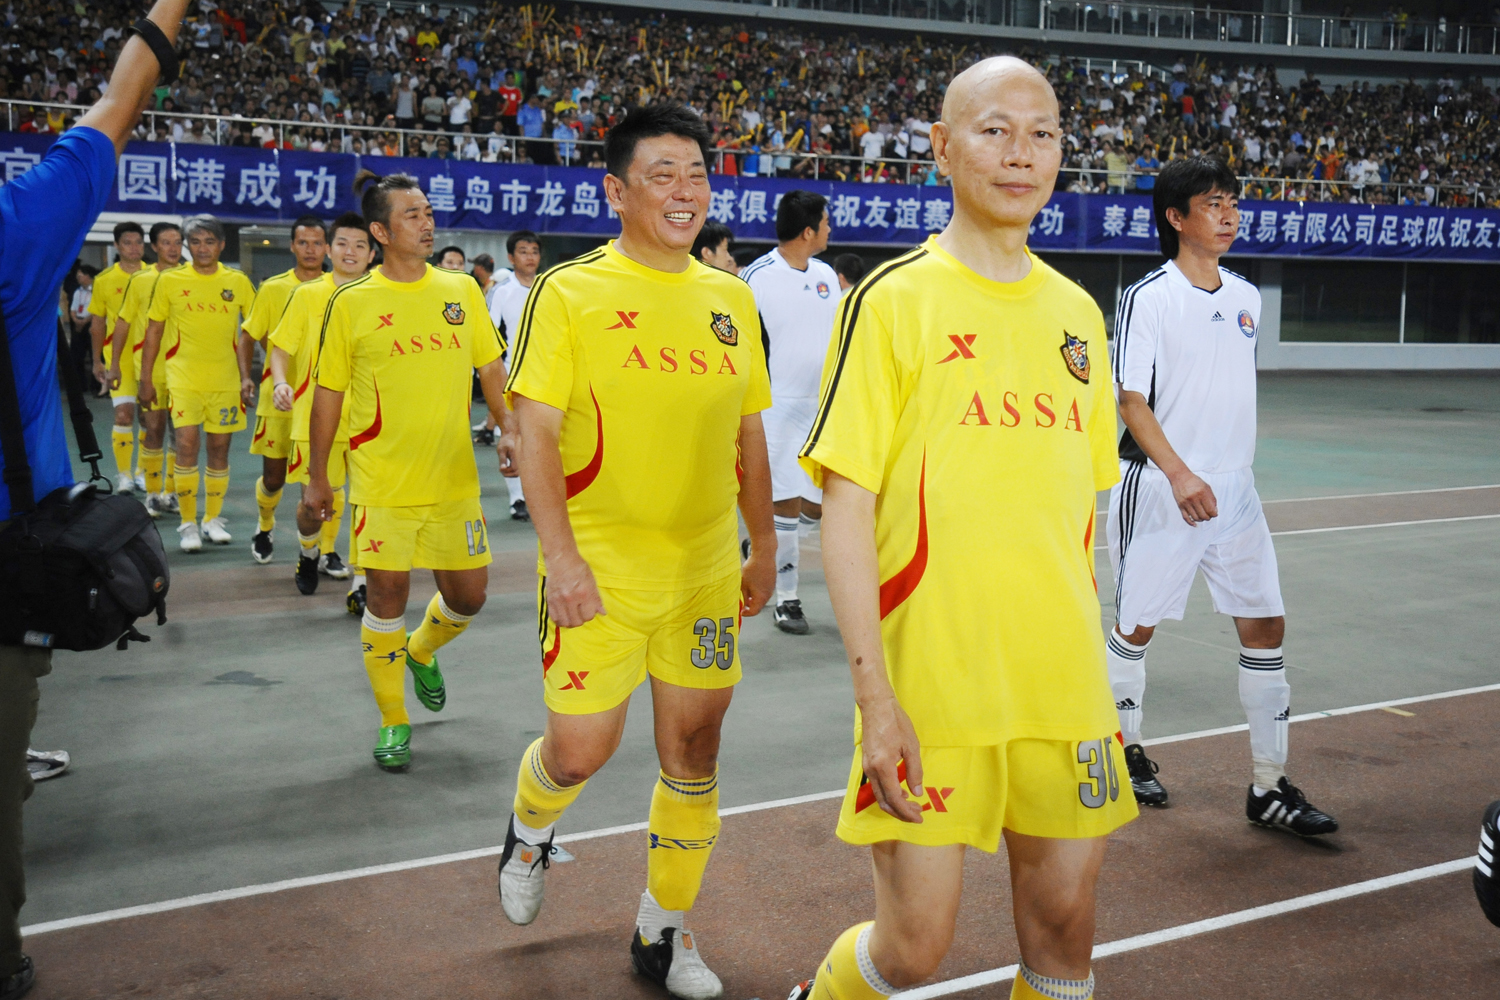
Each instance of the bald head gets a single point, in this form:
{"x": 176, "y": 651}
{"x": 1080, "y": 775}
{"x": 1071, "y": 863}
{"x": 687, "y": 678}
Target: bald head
{"x": 974, "y": 90}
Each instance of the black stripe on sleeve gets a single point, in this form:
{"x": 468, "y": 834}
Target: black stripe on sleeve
{"x": 328, "y": 311}
{"x": 523, "y": 334}
{"x": 1123, "y": 316}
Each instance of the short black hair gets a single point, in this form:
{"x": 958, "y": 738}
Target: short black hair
{"x": 451, "y": 249}
{"x": 521, "y": 236}
{"x": 851, "y": 266}
{"x": 375, "y": 193}
{"x": 745, "y": 256}
{"x": 1177, "y": 184}
{"x": 162, "y": 227}
{"x": 121, "y": 228}
{"x": 710, "y": 236}
{"x": 485, "y": 261}
{"x": 350, "y": 220}
{"x": 310, "y": 221}
{"x": 799, "y": 211}
{"x": 647, "y": 121}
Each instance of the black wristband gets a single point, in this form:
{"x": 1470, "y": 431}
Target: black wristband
{"x": 166, "y": 56}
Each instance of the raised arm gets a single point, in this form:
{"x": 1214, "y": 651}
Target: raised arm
{"x": 134, "y": 78}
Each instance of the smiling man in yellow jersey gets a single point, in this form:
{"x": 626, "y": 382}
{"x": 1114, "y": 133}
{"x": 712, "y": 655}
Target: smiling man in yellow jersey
{"x": 638, "y": 380}
{"x": 127, "y": 342}
{"x": 962, "y": 433}
{"x": 272, "y": 439}
{"x": 403, "y": 343}
{"x": 210, "y": 387}
{"x": 104, "y": 307}
{"x": 293, "y": 349}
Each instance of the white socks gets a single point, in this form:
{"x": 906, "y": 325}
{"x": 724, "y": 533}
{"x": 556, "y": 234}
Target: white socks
{"x": 652, "y": 919}
{"x": 535, "y": 836}
{"x": 308, "y": 544}
{"x": 513, "y": 487}
{"x": 805, "y": 525}
{"x": 1127, "y": 678}
{"x": 786, "y": 558}
{"x": 1266, "y": 696}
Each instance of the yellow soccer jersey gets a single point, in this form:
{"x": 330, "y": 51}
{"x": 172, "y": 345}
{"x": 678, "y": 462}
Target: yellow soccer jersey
{"x": 110, "y": 285}
{"x": 653, "y": 372}
{"x": 297, "y": 333}
{"x": 405, "y": 352}
{"x": 207, "y": 310}
{"x": 134, "y": 311}
{"x": 973, "y": 410}
{"x": 270, "y": 302}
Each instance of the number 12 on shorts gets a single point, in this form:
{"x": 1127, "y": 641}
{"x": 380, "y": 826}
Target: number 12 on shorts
{"x": 1103, "y": 780}
{"x": 475, "y": 530}
{"x": 715, "y": 644}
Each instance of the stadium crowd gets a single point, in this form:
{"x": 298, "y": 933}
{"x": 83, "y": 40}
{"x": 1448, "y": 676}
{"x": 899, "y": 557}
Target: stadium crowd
{"x": 535, "y": 83}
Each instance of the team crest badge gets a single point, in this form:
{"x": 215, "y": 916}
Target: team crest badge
{"x": 1075, "y": 354}
{"x": 227, "y": 294}
{"x": 723, "y": 328}
{"x": 823, "y": 289}
{"x": 453, "y": 312}
{"x": 1247, "y": 323}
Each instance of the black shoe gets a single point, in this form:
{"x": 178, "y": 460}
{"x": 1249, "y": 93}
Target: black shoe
{"x": 1286, "y": 808}
{"x": 518, "y": 511}
{"x": 802, "y": 990}
{"x": 307, "y": 574}
{"x": 485, "y": 436}
{"x": 1148, "y": 791}
{"x": 354, "y": 603}
{"x": 789, "y": 618}
{"x": 1486, "y": 871}
{"x": 260, "y": 547}
{"x": 330, "y": 565}
{"x": 18, "y": 983}
{"x": 672, "y": 962}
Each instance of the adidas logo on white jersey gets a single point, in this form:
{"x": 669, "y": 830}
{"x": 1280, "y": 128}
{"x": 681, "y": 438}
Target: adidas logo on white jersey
{"x": 1218, "y": 317}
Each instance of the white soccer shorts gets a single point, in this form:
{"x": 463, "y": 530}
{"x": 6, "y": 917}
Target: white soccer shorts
{"x": 1155, "y": 553}
{"x": 787, "y": 424}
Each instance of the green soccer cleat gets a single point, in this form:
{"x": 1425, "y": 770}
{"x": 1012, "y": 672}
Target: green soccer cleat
{"x": 393, "y": 749}
{"x": 428, "y": 680}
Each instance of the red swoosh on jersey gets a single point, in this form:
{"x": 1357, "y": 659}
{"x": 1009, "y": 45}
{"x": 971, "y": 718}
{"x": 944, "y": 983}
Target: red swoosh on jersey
{"x": 899, "y": 587}
{"x": 172, "y": 351}
{"x": 1088, "y": 550}
{"x": 369, "y": 433}
{"x": 139, "y": 344}
{"x": 308, "y": 378}
{"x": 266, "y": 375}
{"x": 581, "y": 480}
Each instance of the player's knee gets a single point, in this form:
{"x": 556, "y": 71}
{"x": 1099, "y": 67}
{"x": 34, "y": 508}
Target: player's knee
{"x": 574, "y": 766}
{"x": 916, "y": 954}
{"x": 1061, "y": 911}
{"x": 1141, "y": 636}
{"x": 464, "y": 603}
{"x": 124, "y": 417}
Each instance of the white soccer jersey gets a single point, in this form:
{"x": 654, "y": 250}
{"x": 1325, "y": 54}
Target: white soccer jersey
{"x": 506, "y": 303}
{"x": 1191, "y": 353}
{"x": 797, "y": 308}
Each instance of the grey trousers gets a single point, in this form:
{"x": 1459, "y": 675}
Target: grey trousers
{"x": 20, "y": 666}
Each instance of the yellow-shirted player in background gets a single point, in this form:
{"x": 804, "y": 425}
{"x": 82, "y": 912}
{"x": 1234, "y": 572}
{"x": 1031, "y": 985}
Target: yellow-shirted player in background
{"x": 638, "y": 380}
{"x": 104, "y": 306}
{"x": 403, "y": 343}
{"x": 126, "y": 347}
{"x": 961, "y": 437}
{"x": 210, "y": 389}
{"x": 292, "y": 349}
{"x": 272, "y": 439}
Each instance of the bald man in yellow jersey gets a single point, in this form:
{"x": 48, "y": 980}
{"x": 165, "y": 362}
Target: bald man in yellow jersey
{"x": 292, "y": 353}
{"x": 209, "y": 385}
{"x": 638, "y": 380}
{"x": 402, "y": 343}
{"x": 272, "y": 439}
{"x": 104, "y": 306}
{"x": 961, "y": 436}
{"x": 127, "y": 342}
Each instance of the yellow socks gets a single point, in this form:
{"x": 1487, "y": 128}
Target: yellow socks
{"x": 186, "y": 480}
{"x": 1030, "y": 986}
{"x": 266, "y": 501}
{"x": 847, "y": 973}
{"x": 681, "y": 830}
{"x": 215, "y": 485}
{"x": 539, "y": 799}
{"x": 122, "y": 440}
{"x": 440, "y": 626}
{"x": 329, "y": 535}
{"x": 384, "y": 641}
{"x": 151, "y": 459}
{"x": 169, "y": 472}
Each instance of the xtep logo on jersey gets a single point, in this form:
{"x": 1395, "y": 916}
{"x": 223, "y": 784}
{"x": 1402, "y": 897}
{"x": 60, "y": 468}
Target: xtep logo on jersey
{"x": 386, "y": 321}
{"x": 961, "y": 347}
{"x": 627, "y": 320}
{"x": 1217, "y": 317}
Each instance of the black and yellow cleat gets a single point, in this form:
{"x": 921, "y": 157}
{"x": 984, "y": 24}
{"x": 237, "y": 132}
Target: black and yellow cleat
{"x": 306, "y": 574}
{"x": 354, "y": 601}
{"x": 393, "y": 748}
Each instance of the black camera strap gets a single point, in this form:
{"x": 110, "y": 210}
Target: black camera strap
{"x": 79, "y": 413}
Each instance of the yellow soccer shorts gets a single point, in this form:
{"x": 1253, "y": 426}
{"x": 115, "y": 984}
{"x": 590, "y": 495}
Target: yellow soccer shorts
{"x": 129, "y": 388}
{"x": 273, "y": 436}
{"x": 298, "y": 464}
{"x": 449, "y": 535}
{"x": 1040, "y": 788}
{"x": 690, "y": 638}
{"x": 218, "y": 412}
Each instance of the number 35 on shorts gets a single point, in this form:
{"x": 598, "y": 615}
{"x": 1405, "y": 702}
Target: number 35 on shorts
{"x": 1102, "y": 780}
{"x": 715, "y": 643}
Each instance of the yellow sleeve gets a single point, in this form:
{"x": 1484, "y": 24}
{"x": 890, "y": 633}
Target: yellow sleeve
{"x": 97, "y": 306}
{"x": 758, "y": 392}
{"x": 248, "y": 290}
{"x": 1104, "y": 436}
{"x": 161, "y": 305}
{"x": 129, "y": 304}
{"x": 486, "y": 339}
{"x": 333, "y": 363}
{"x": 542, "y": 360}
{"x": 289, "y": 330}
{"x": 859, "y": 402}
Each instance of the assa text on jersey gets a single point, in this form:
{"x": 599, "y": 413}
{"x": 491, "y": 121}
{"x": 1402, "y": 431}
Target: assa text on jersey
{"x": 419, "y": 344}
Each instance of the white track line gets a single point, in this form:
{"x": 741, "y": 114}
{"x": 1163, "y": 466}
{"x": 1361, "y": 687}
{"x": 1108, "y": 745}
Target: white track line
{"x": 222, "y": 895}
{"x": 1361, "y": 496}
{"x": 1197, "y": 927}
{"x": 1386, "y": 524}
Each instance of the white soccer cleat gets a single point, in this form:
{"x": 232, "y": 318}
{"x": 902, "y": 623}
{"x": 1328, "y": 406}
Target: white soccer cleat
{"x": 673, "y": 961}
{"x": 215, "y": 530}
{"x": 125, "y": 484}
{"x": 191, "y": 541}
{"x": 523, "y": 868}
{"x": 140, "y": 482}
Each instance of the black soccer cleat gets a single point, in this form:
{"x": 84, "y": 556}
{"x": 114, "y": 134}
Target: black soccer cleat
{"x": 1486, "y": 871}
{"x": 354, "y": 602}
{"x": 1286, "y": 808}
{"x": 802, "y": 990}
{"x": 307, "y": 574}
{"x": 518, "y": 511}
{"x": 486, "y": 436}
{"x": 1148, "y": 790}
{"x": 789, "y": 618}
{"x": 260, "y": 547}
{"x": 18, "y": 983}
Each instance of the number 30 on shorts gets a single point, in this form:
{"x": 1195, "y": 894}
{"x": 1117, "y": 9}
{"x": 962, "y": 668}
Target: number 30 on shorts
{"x": 1103, "y": 780}
{"x": 715, "y": 643}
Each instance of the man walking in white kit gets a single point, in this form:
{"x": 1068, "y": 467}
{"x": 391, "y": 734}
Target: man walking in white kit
{"x": 797, "y": 296}
{"x": 524, "y": 248}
